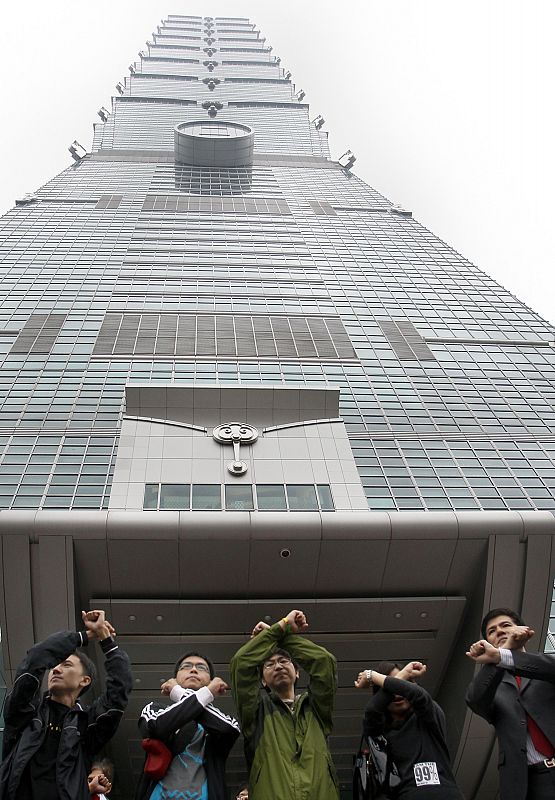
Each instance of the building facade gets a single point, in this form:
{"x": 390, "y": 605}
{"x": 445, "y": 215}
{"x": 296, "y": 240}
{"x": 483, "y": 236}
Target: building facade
{"x": 238, "y": 378}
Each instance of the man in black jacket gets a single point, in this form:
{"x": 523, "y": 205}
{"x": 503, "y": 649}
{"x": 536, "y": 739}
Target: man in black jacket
{"x": 515, "y": 692}
{"x": 50, "y": 740}
{"x": 198, "y": 735}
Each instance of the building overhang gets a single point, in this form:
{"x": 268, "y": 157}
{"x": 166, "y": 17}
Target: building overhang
{"x": 375, "y": 585}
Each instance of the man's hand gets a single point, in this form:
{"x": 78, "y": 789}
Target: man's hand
{"x": 297, "y": 621}
{"x": 518, "y": 635}
{"x": 218, "y": 687}
{"x": 411, "y": 671}
{"x": 97, "y": 625}
{"x": 93, "y": 619}
{"x": 482, "y": 652}
{"x": 260, "y": 626}
{"x": 167, "y": 686}
{"x": 362, "y": 681}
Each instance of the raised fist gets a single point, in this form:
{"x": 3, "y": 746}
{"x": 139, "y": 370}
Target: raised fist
{"x": 99, "y": 783}
{"x": 362, "y": 681}
{"x": 97, "y": 625}
{"x": 218, "y": 687}
{"x": 412, "y": 670}
{"x": 518, "y": 636}
{"x": 258, "y": 628}
{"x": 167, "y": 686}
{"x": 297, "y": 621}
{"x": 482, "y": 652}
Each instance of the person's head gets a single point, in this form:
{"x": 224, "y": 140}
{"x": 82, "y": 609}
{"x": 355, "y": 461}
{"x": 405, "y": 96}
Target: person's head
{"x": 75, "y": 674}
{"x": 193, "y": 670}
{"x": 102, "y": 766}
{"x": 279, "y": 672}
{"x": 243, "y": 793}
{"x": 497, "y": 623}
{"x": 399, "y": 706}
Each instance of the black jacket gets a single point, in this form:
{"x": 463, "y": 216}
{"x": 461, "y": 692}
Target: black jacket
{"x": 494, "y": 695}
{"x": 175, "y": 726}
{"x": 419, "y": 739}
{"x": 85, "y": 730}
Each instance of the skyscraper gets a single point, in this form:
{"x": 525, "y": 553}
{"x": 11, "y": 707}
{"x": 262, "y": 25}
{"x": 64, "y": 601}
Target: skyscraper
{"x": 236, "y": 377}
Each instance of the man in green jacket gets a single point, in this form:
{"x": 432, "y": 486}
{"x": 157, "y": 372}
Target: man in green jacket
{"x": 286, "y": 734}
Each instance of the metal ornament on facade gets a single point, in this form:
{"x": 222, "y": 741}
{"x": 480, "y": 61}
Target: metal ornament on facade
{"x": 235, "y": 433}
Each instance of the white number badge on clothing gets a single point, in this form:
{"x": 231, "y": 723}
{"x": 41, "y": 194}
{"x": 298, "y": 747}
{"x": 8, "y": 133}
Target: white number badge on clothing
{"x": 425, "y": 773}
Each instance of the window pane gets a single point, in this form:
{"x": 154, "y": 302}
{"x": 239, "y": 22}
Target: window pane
{"x": 174, "y": 496}
{"x": 151, "y": 496}
{"x": 301, "y": 498}
{"x": 238, "y": 498}
{"x": 271, "y": 497}
{"x": 325, "y": 498}
{"x": 207, "y": 497}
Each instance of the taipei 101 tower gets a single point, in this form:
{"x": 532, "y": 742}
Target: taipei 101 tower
{"x": 235, "y": 380}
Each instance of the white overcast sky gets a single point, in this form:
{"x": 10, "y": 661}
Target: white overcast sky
{"x": 447, "y": 104}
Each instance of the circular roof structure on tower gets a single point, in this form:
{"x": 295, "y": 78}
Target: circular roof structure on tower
{"x": 214, "y": 143}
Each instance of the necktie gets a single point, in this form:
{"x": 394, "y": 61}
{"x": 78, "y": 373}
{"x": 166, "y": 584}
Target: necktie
{"x": 539, "y": 739}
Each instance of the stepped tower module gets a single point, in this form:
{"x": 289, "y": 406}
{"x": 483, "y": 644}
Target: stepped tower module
{"x": 236, "y": 379}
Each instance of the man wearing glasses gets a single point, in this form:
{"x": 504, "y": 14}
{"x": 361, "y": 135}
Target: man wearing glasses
{"x": 197, "y": 735}
{"x": 286, "y": 734}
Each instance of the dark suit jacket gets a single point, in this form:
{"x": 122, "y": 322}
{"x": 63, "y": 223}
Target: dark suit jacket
{"x": 494, "y": 695}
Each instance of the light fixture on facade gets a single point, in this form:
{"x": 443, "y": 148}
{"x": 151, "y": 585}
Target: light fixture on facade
{"x": 26, "y": 199}
{"x": 77, "y": 150}
{"x": 400, "y": 211}
{"x": 347, "y": 160}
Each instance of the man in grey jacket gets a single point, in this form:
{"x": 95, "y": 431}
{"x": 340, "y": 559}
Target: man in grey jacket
{"x": 515, "y": 692}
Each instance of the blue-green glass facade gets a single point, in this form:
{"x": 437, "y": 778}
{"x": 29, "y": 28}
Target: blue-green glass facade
{"x": 452, "y": 411}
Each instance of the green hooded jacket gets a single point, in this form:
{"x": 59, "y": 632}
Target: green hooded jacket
{"x": 287, "y": 751}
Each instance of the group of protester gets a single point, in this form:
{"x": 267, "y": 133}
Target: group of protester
{"x": 51, "y": 740}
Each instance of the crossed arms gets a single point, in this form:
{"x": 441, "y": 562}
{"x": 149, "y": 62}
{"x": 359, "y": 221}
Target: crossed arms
{"x": 318, "y": 663}
{"x": 104, "y": 714}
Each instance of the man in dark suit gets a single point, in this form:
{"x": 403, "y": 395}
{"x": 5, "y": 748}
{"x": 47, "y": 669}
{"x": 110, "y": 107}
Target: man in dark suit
{"x": 515, "y": 692}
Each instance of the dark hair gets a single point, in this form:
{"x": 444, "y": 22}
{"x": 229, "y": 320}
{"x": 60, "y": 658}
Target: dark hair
{"x": 105, "y": 766}
{"x": 500, "y": 612}
{"x": 88, "y": 669}
{"x": 198, "y": 655}
{"x": 242, "y": 788}
{"x": 278, "y": 652}
{"x": 384, "y": 668}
